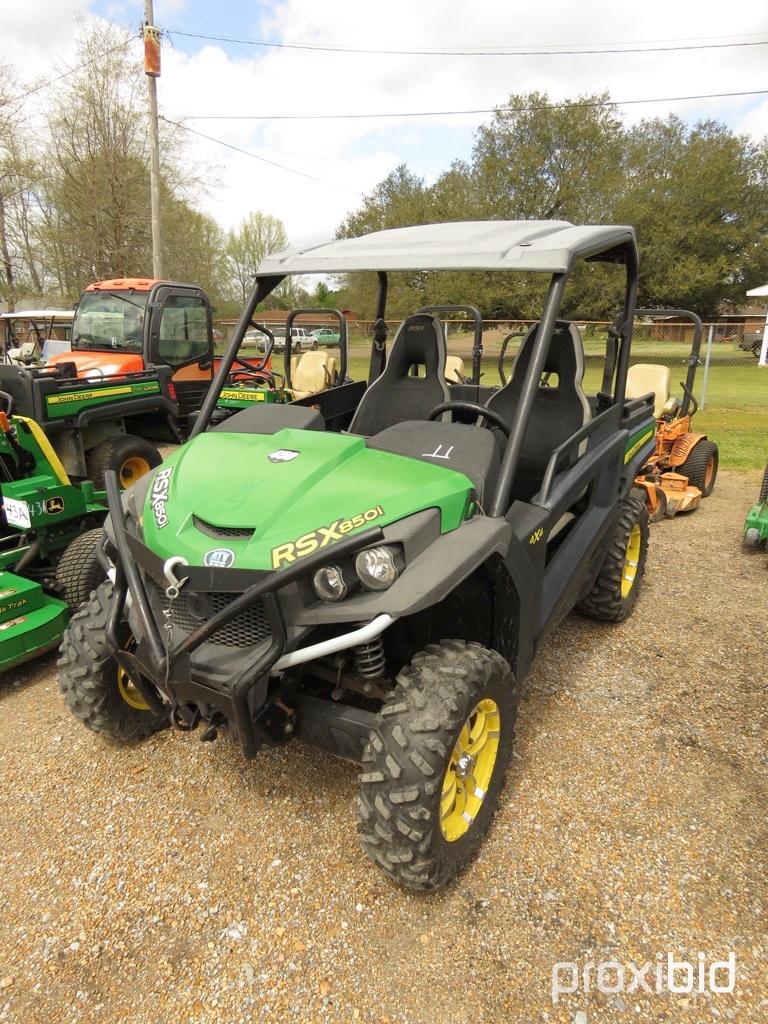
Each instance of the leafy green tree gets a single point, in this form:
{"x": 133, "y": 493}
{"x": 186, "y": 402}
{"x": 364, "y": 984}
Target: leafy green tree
{"x": 698, "y": 198}
{"x": 533, "y": 161}
{"x": 258, "y": 235}
{"x": 193, "y": 245}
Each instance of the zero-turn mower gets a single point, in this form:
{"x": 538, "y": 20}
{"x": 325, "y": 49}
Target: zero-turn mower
{"x": 683, "y": 467}
{"x": 379, "y": 587}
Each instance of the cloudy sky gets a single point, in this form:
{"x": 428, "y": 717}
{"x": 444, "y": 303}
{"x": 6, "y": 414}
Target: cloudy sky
{"x": 206, "y": 81}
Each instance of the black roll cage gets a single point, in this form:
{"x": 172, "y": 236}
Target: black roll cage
{"x": 693, "y": 359}
{"x": 617, "y": 354}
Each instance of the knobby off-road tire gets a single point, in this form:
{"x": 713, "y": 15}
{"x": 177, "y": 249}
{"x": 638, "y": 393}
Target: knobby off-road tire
{"x": 613, "y": 595}
{"x": 79, "y": 571}
{"x": 90, "y": 678}
{"x": 701, "y": 467}
{"x": 763, "y": 488}
{"x": 412, "y": 752}
{"x": 129, "y": 456}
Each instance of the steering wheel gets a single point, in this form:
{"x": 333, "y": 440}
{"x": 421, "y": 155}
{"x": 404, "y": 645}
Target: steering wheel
{"x": 250, "y": 367}
{"x": 249, "y": 374}
{"x": 480, "y": 411}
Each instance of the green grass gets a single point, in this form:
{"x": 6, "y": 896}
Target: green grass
{"x": 740, "y": 435}
{"x": 735, "y": 417}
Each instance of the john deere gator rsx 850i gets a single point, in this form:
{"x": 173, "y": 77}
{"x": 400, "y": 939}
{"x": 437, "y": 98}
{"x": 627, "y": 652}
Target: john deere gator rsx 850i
{"x": 381, "y": 592}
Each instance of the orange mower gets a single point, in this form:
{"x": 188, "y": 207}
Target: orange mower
{"x": 683, "y": 467}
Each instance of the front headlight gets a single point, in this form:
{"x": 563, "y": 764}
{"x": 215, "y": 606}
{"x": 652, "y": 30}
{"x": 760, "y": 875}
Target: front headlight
{"x": 377, "y": 568}
{"x": 329, "y": 583}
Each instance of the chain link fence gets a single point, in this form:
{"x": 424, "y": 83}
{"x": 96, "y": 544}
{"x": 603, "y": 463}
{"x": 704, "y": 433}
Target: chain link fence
{"x": 728, "y": 377}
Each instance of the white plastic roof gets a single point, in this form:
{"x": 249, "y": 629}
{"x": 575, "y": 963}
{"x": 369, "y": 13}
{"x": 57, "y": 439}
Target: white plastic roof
{"x": 39, "y": 314}
{"x": 543, "y": 245}
{"x": 762, "y": 290}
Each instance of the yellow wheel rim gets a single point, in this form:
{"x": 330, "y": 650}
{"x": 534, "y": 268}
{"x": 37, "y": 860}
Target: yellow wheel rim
{"x": 132, "y": 469}
{"x": 469, "y": 771}
{"x": 631, "y": 561}
{"x": 130, "y": 694}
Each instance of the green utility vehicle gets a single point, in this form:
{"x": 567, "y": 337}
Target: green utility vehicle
{"x": 756, "y": 524}
{"x": 50, "y": 530}
{"x": 97, "y": 423}
{"x": 381, "y": 591}
{"x": 138, "y": 366}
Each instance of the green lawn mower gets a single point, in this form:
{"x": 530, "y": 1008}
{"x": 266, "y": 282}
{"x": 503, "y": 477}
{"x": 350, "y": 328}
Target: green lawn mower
{"x": 50, "y": 531}
{"x": 756, "y": 524}
{"x": 379, "y": 587}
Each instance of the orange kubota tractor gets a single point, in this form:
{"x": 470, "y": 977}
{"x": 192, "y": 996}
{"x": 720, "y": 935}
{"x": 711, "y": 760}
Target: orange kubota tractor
{"x": 683, "y": 467}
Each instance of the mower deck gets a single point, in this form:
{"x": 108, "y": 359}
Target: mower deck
{"x": 31, "y": 621}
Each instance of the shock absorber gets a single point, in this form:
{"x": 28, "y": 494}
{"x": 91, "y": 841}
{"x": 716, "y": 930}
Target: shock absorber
{"x": 369, "y": 658}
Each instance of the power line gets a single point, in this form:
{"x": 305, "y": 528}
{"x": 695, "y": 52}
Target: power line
{"x": 478, "y": 52}
{"x": 78, "y": 67}
{"x": 255, "y": 156}
{"x": 458, "y": 113}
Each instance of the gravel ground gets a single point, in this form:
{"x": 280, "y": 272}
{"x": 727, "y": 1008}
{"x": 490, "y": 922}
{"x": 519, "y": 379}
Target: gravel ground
{"x": 176, "y": 883}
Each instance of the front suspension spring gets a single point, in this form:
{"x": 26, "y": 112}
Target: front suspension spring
{"x": 370, "y": 659}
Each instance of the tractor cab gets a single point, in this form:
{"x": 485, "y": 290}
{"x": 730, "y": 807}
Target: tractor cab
{"x": 132, "y": 325}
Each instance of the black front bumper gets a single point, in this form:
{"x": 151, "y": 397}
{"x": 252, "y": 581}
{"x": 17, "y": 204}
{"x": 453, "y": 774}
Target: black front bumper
{"x": 238, "y": 696}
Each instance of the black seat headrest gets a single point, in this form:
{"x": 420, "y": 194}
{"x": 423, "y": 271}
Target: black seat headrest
{"x": 397, "y": 395}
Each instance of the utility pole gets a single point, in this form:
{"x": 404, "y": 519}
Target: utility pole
{"x": 152, "y": 71}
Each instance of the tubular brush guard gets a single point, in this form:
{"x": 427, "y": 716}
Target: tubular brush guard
{"x": 170, "y": 671}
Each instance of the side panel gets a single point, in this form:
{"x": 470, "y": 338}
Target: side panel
{"x": 63, "y": 404}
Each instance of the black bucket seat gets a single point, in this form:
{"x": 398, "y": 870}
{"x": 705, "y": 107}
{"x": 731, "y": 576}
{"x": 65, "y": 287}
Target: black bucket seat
{"x": 558, "y": 411}
{"x": 397, "y": 395}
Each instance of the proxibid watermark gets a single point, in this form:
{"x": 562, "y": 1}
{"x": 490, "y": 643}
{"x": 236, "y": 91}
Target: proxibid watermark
{"x": 664, "y": 974}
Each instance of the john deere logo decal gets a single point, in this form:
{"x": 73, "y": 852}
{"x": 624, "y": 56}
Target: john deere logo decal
{"x": 283, "y": 455}
{"x": 55, "y": 505}
{"x": 322, "y": 537}
{"x": 219, "y": 558}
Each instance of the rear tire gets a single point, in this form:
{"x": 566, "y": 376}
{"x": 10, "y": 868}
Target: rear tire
{"x": 454, "y": 700}
{"x": 614, "y": 593}
{"x": 79, "y": 571}
{"x": 701, "y": 466}
{"x": 314, "y": 345}
{"x": 130, "y": 457}
{"x": 90, "y": 678}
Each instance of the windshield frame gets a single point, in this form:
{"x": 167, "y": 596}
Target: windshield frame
{"x": 102, "y": 343}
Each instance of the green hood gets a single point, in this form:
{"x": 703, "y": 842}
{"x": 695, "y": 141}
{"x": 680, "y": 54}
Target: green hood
{"x": 294, "y": 504}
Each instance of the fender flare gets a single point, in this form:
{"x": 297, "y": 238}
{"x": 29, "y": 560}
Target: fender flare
{"x": 683, "y": 447}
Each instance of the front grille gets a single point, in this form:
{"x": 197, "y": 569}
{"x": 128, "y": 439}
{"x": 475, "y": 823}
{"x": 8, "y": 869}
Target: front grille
{"x": 189, "y": 611}
{"x": 223, "y": 532}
